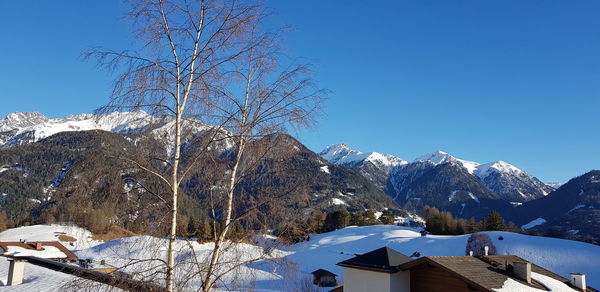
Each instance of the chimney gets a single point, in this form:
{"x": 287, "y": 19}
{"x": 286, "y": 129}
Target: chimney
{"x": 486, "y": 250}
{"x": 470, "y": 253}
{"x": 38, "y": 245}
{"x": 522, "y": 270}
{"x": 578, "y": 280}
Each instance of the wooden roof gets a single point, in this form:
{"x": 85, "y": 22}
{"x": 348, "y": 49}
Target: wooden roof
{"x": 486, "y": 272}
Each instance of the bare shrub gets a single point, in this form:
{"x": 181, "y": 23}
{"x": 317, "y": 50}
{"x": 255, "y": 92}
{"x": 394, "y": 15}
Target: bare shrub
{"x": 477, "y": 242}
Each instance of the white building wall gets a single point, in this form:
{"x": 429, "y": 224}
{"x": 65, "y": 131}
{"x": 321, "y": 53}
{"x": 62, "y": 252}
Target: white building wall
{"x": 357, "y": 280}
{"x": 400, "y": 281}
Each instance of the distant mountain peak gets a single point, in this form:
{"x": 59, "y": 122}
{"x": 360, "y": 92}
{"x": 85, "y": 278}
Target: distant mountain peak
{"x": 437, "y": 157}
{"x": 18, "y": 120}
{"x": 340, "y": 153}
{"x": 441, "y": 157}
{"x": 484, "y": 170}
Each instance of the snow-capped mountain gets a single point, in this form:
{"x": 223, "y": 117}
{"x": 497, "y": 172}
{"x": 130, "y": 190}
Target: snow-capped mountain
{"x": 373, "y": 165}
{"x": 508, "y": 181}
{"x": 22, "y": 128}
{"x": 440, "y": 179}
{"x": 447, "y": 186}
{"x": 21, "y": 120}
{"x": 342, "y": 154}
{"x": 441, "y": 157}
{"x": 511, "y": 183}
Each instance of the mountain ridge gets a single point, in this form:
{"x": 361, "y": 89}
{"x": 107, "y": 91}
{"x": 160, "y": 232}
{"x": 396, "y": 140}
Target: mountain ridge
{"x": 510, "y": 182}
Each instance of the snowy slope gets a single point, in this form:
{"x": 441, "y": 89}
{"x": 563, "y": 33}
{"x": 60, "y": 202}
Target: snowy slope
{"x": 288, "y": 267}
{"x": 51, "y": 233}
{"x": 42, "y": 279}
{"x": 558, "y": 255}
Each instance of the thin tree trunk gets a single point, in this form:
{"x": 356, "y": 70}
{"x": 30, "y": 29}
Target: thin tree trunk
{"x": 175, "y": 191}
{"x": 207, "y": 285}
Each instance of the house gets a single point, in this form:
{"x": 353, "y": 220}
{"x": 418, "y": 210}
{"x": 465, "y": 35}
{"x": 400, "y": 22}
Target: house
{"x": 385, "y": 269}
{"x": 40, "y": 249}
{"x": 16, "y": 251}
{"x": 376, "y": 271}
{"x": 324, "y": 278}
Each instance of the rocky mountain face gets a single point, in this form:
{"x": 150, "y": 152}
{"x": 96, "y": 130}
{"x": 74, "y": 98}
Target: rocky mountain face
{"x": 439, "y": 179}
{"x": 507, "y": 181}
{"x": 81, "y": 167}
{"x": 447, "y": 186}
{"x": 511, "y": 183}
{"x": 573, "y": 210}
{"x": 373, "y": 165}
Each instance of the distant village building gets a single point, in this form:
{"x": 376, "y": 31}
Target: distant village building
{"x": 385, "y": 270}
{"x": 324, "y": 278}
{"x": 16, "y": 251}
{"x": 54, "y": 256}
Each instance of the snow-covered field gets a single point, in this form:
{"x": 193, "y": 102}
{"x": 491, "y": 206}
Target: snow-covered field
{"x": 290, "y": 266}
{"x": 51, "y": 232}
{"x": 558, "y": 255}
{"x": 42, "y": 279}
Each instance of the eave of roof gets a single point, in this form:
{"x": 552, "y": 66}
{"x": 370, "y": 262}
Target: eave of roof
{"x": 383, "y": 259}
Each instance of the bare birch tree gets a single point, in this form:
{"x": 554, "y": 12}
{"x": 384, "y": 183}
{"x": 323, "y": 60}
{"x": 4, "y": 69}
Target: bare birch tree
{"x": 266, "y": 99}
{"x": 209, "y": 63}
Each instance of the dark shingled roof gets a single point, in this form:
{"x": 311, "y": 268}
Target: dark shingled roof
{"x": 486, "y": 272}
{"x": 321, "y": 273}
{"x": 384, "y": 260}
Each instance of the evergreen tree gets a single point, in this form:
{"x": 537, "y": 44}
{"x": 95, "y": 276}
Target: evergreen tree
{"x": 337, "y": 219}
{"x": 357, "y": 219}
{"x": 369, "y": 218}
{"x": 387, "y": 217}
{"x": 494, "y": 221}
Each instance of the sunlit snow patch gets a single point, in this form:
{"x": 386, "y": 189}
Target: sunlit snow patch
{"x": 533, "y": 223}
{"x": 550, "y": 283}
{"x": 336, "y": 201}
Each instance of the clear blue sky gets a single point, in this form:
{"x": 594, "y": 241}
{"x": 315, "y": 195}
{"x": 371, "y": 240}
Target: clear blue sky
{"x": 483, "y": 80}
